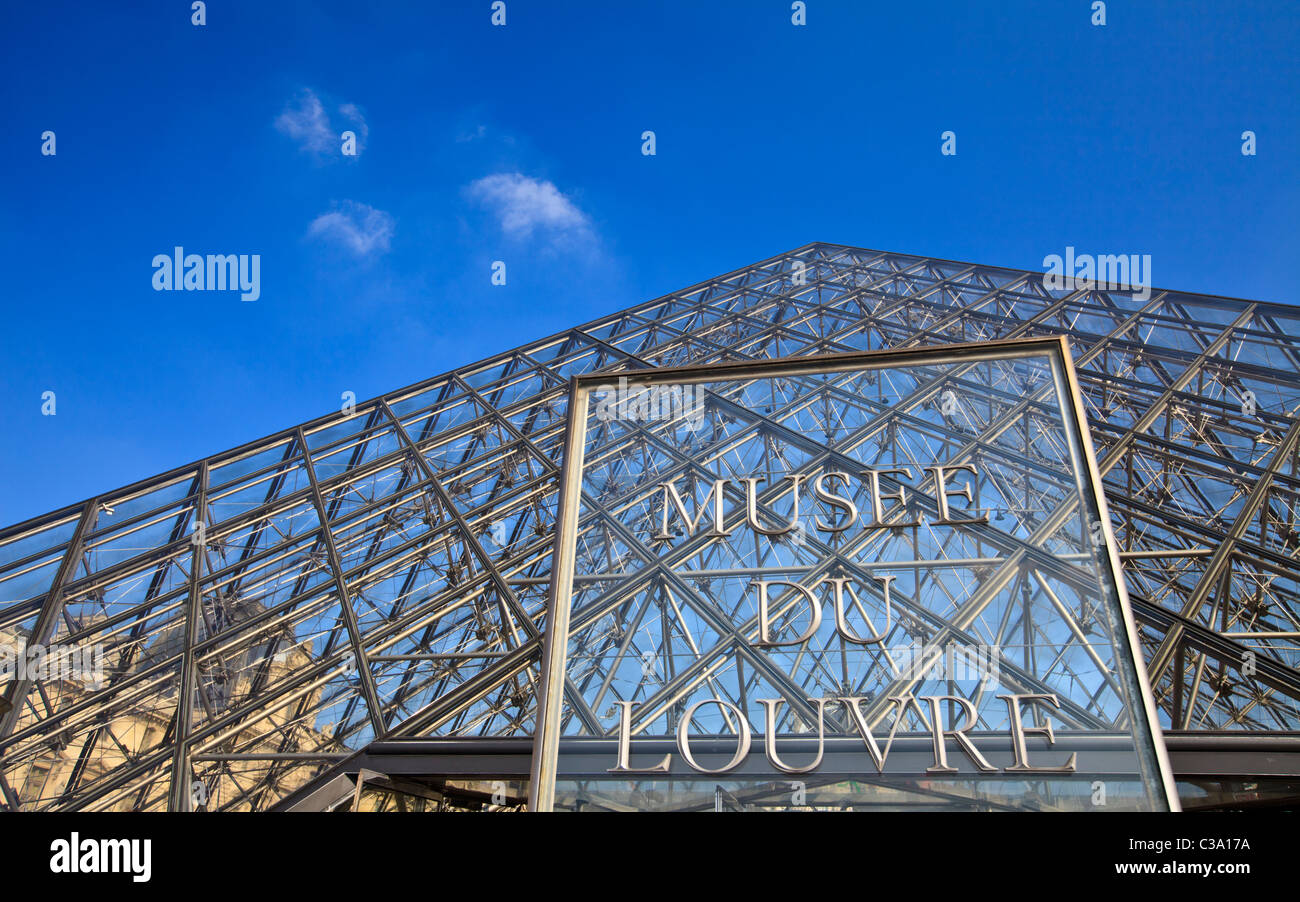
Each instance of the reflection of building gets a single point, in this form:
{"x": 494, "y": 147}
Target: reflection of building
{"x": 71, "y": 759}
{"x": 413, "y": 624}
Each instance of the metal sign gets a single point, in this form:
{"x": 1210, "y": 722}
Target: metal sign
{"x": 909, "y": 605}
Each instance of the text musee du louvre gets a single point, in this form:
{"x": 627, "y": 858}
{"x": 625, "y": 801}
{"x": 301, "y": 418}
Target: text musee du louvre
{"x": 829, "y": 488}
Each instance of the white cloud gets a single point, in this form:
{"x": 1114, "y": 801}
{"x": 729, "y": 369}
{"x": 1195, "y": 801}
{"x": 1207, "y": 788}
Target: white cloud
{"x": 358, "y": 228}
{"x": 352, "y": 113}
{"x": 308, "y": 123}
{"x": 524, "y": 205}
{"x": 465, "y": 137}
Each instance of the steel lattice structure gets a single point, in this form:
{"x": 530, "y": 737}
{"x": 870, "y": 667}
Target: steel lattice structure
{"x": 250, "y": 649}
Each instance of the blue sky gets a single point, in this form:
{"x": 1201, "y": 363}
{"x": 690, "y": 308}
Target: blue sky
{"x": 523, "y": 143}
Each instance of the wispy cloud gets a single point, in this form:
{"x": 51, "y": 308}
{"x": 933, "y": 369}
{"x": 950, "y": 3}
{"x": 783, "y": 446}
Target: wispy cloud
{"x": 358, "y": 228}
{"x": 467, "y": 136}
{"x": 307, "y": 122}
{"x": 526, "y": 205}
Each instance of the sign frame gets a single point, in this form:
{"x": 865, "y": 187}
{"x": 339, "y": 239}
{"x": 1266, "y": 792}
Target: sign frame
{"x": 547, "y": 735}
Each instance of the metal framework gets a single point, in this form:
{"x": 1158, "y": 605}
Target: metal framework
{"x": 298, "y": 607}
{"x": 682, "y": 606}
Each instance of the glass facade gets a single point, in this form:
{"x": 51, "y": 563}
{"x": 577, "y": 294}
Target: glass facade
{"x": 366, "y": 593}
{"x": 813, "y": 571}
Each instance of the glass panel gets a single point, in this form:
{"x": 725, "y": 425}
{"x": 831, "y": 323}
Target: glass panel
{"x": 882, "y": 581}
